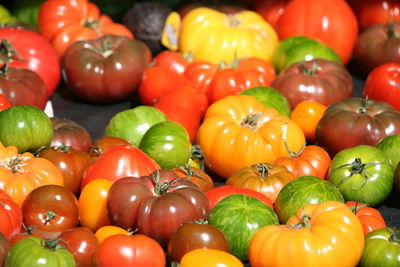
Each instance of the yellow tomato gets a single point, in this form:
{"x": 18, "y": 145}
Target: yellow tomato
{"x": 238, "y": 131}
{"x": 327, "y": 234}
{"x": 216, "y": 36}
{"x": 203, "y": 257}
{"x": 92, "y": 204}
{"x": 109, "y": 230}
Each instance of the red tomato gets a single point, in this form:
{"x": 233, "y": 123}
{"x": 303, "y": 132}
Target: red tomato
{"x": 371, "y": 12}
{"x": 118, "y": 162}
{"x": 371, "y": 219}
{"x": 330, "y": 21}
{"x": 122, "y": 250}
{"x": 34, "y": 53}
{"x": 4, "y": 103}
{"x": 64, "y": 22}
{"x": 201, "y": 74}
{"x": 172, "y": 60}
{"x": 183, "y": 105}
{"x": 383, "y": 84}
{"x": 270, "y": 10}
{"x": 218, "y": 193}
{"x": 10, "y": 216}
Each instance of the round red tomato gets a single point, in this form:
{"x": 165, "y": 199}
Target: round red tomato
{"x": 33, "y": 52}
{"x": 330, "y": 21}
{"x": 10, "y": 216}
{"x": 383, "y": 84}
{"x": 371, "y": 219}
{"x": 4, "y": 103}
{"x": 122, "y": 250}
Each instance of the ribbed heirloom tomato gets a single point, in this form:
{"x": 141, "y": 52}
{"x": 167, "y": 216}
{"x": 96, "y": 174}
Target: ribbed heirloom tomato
{"x": 239, "y": 131}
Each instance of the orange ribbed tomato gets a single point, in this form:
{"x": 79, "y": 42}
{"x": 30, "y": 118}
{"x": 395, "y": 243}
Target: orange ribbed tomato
{"x": 262, "y": 177}
{"x": 326, "y": 234}
{"x": 238, "y": 131}
{"x": 21, "y": 173}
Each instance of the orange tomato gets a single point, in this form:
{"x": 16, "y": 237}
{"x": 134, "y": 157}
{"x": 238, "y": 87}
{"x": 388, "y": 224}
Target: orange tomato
{"x": 109, "y": 230}
{"x": 202, "y": 257}
{"x": 307, "y": 115}
{"x": 21, "y": 173}
{"x": 92, "y": 204}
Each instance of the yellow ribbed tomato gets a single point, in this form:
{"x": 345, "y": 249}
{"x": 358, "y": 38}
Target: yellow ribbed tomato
{"x": 21, "y": 173}
{"x": 326, "y": 234}
{"x": 238, "y": 131}
{"x": 207, "y": 257}
{"x": 216, "y": 36}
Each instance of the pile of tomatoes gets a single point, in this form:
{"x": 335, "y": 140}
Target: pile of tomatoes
{"x": 247, "y": 142}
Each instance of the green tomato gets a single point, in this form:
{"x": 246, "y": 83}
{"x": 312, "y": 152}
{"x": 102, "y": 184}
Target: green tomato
{"x": 302, "y": 191}
{"x": 133, "y": 123}
{"x": 26, "y": 127}
{"x": 300, "y": 48}
{"x": 34, "y": 252}
{"x": 362, "y": 173}
{"x": 390, "y": 146}
{"x": 27, "y": 11}
{"x": 168, "y": 143}
{"x": 239, "y": 217}
{"x": 5, "y": 15}
{"x": 382, "y": 248}
{"x": 271, "y": 98}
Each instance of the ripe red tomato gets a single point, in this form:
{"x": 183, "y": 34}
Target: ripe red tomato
{"x": 172, "y": 60}
{"x": 383, "y": 84}
{"x": 4, "y": 103}
{"x": 122, "y": 250}
{"x": 10, "y": 216}
{"x": 34, "y": 53}
{"x": 371, "y": 219}
{"x": 330, "y": 21}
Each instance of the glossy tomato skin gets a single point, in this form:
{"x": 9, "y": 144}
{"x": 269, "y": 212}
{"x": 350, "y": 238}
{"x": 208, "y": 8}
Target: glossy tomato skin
{"x": 381, "y": 248}
{"x": 51, "y": 209}
{"x": 212, "y": 257}
{"x": 173, "y": 60}
{"x": 81, "y": 242}
{"x": 220, "y": 192}
{"x": 377, "y": 45}
{"x": 4, "y": 103}
{"x": 35, "y": 54}
{"x": 122, "y": 250}
{"x": 323, "y": 81}
{"x": 193, "y": 235}
{"x": 107, "y": 69}
{"x": 362, "y": 173}
{"x": 34, "y": 251}
{"x": 371, "y": 219}
{"x": 63, "y": 22}
{"x": 156, "y": 204}
{"x": 70, "y": 133}
{"x": 383, "y": 84}
{"x": 71, "y": 162}
{"x": 118, "y": 162}
{"x": 10, "y": 216}
{"x": 332, "y": 22}
{"x": 375, "y": 12}
{"x": 102, "y": 144}
{"x": 361, "y": 121}
{"x": 23, "y": 87}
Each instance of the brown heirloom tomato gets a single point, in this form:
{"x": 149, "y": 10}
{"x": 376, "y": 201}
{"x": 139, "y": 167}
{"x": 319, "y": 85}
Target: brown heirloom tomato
{"x": 156, "y": 205}
{"x": 71, "y": 162}
{"x": 356, "y": 121}
{"x": 70, "y": 133}
{"x": 51, "y": 209}
{"x": 377, "y": 45}
{"x": 323, "y": 81}
{"x": 107, "y": 69}
{"x": 262, "y": 177}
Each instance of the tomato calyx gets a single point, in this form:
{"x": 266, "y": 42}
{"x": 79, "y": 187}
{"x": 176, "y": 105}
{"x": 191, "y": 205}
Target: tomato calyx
{"x": 91, "y": 23}
{"x": 310, "y": 71}
{"x": 358, "y": 206}
{"x": 63, "y": 148}
{"x": 305, "y": 222}
{"x": 251, "y": 121}
{"x": 163, "y": 188}
{"x": 263, "y": 169}
{"x": 52, "y": 244}
{"x": 233, "y": 21}
{"x": 190, "y": 172}
{"x": 391, "y": 30}
{"x": 394, "y": 236}
{"x": 14, "y": 164}
{"x": 196, "y": 155}
{"x": 49, "y": 216}
{"x": 7, "y": 54}
{"x": 357, "y": 167}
